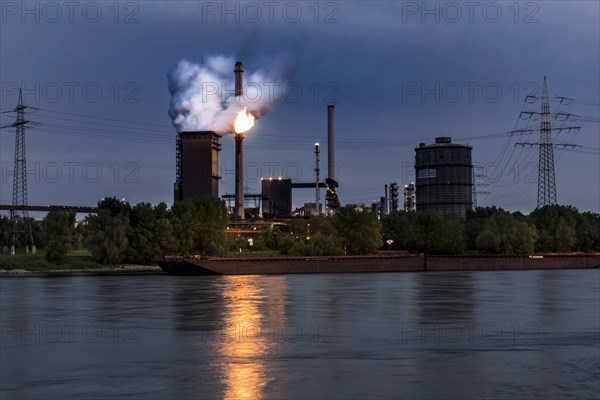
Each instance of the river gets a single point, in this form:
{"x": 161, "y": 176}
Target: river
{"x": 473, "y": 335}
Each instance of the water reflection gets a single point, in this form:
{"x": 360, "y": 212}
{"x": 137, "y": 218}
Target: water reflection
{"x": 237, "y": 324}
{"x": 421, "y": 336}
{"x": 445, "y": 297}
{"x": 548, "y": 294}
{"x": 253, "y": 315}
{"x": 199, "y": 306}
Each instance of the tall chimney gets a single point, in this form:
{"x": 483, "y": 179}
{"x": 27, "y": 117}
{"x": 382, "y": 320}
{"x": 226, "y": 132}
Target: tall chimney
{"x": 317, "y": 176}
{"x": 386, "y": 205}
{"x": 239, "y": 176}
{"x": 239, "y": 79}
{"x": 239, "y": 212}
{"x": 331, "y": 142}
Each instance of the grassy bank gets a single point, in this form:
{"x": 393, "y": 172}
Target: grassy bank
{"x": 77, "y": 260}
{"x": 38, "y": 263}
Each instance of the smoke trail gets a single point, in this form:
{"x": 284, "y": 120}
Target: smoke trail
{"x": 203, "y": 95}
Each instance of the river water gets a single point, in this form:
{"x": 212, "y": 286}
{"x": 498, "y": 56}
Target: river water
{"x": 475, "y": 335}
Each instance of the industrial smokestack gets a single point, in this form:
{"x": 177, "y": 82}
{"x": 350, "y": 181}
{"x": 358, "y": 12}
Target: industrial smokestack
{"x": 331, "y": 142}
{"x": 239, "y": 154}
{"x": 198, "y": 103}
{"x": 317, "y": 176}
{"x": 239, "y": 176}
{"x": 239, "y": 78}
{"x": 386, "y": 205}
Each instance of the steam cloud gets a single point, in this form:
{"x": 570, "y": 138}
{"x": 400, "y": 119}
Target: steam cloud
{"x": 203, "y": 95}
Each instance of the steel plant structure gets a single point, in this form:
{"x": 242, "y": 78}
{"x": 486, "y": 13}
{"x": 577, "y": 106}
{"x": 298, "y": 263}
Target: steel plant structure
{"x": 197, "y": 165}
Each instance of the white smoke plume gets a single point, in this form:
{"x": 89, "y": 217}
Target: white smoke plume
{"x": 203, "y": 95}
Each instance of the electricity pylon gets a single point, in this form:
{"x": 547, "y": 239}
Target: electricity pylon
{"x": 19, "y": 215}
{"x": 546, "y": 177}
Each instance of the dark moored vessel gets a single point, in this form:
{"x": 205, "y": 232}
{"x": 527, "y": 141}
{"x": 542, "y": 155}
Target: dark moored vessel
{"x": 349, "y": 264}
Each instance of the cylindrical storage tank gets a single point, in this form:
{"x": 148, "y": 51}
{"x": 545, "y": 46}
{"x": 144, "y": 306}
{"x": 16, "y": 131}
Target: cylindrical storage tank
{"x": 444, "y": 177}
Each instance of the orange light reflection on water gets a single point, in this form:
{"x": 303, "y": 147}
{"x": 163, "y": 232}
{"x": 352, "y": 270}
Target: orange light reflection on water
{"x": 249, "y": 311}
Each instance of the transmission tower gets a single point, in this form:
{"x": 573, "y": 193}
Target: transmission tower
{"x": 546, "y": 177}
{"x": 477, "y": 185}
{"x": 19, "y": 215}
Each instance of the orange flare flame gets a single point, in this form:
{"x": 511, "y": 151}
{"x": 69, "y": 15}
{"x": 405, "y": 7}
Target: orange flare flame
{"x": 244, "y": 121}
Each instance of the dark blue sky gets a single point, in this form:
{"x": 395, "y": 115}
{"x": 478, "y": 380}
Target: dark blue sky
{"x": 399, "y": 73}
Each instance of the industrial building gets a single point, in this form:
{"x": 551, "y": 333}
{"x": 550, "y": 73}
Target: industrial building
{"x": 197, "y": 172}
{"x": 388, "y": 202}
{"x": 444, "y": 177}
{"x": 197, "y": 165}
{"x": 409, "y": 197}
{"x": 276, "y": 198}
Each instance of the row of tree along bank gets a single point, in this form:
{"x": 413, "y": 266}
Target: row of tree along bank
{"x": 121, "y": 233}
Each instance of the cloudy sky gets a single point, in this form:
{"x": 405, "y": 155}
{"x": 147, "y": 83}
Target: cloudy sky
{"x": 399, "y": 73}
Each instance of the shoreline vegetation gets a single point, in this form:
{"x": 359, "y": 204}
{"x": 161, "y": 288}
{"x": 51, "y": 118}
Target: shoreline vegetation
{"x": 29, "y": 264}
{"x": 121, "y": 235}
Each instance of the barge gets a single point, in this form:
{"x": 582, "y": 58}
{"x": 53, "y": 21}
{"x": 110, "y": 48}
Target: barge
{"x": 361, "y": 264}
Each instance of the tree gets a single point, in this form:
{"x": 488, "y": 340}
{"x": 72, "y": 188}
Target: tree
{"x": 488, "y": 242}
{"x": 425, "y": 230}
{"x": 311, "y": 226}
{"x": 396, "y": 226}
{"x": 359, "y": 230}
{"x": 325, "y": 245}
{"x": 566, "y": 237}
{"x": 5, "y": 231}
{"x": 77, "y": 238}
{"x": 213, "y": 220}
{"x": 433, "y": 234}
{"x": 556, "y": 226}
{"x": 142, "y": 247}
{"x": 298, "y": 249}
{"x": 183, "y": 226}
{"x": 163, "y": 230}
{"x": 452, "y": 237}
{"x": 199, "y": 226}
{"x": 504, "y": 234}
{"x": 272, "y": 239}
{"x": 58, "y": 230}
{"x": 525, "y": 238}
{"x": 588, "y": 232}
{"x": 475, "y": 223}
{"x": 286, "y": 244}
{"x": 106, "y": 232}
{"x": 150, "y": 233}
{"x": 37, "y": 232}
